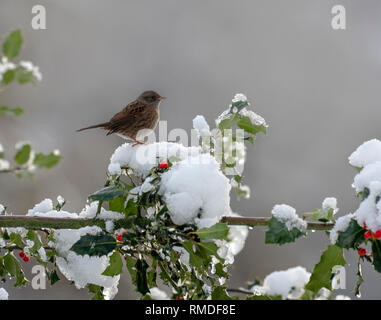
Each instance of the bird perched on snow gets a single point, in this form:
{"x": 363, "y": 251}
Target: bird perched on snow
{"x": 135, "y": 121}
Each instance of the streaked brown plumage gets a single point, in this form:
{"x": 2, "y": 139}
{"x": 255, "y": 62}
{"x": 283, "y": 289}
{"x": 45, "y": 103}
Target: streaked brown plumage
{"x": 136, "y": 120}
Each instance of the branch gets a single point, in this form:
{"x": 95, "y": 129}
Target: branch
{"x": 262, "y": 221}
{"x": 69, "y": 223}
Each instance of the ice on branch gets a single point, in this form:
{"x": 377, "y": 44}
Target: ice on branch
{"x": 288, "y": 216}
{"x": 288, "y": 283}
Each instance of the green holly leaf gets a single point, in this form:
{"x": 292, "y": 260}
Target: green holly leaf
{"x": 219, "y": 293}
{"x": 33, "y": 236}
{"x": 352, "y": 236}
{"x": 96, "y": 290}
{"x": 14, "y": 269}
{"x": 12, "y": 44}
{"x": 46, "y": 161}
{"x": 264, "y": 297}
{"x": 228, "y": 122}
{"x": 321, "y": 215}
{"x": 239, "y": 105}
{"x": 130, "y": 263}
{"x": 52, "y": 277}
{"x": 7, "y": 110}
{"x": 195, "y": 260}
{"x": 218, "y": 231}
{"x": 22, "y": 156}
{"x": 8, "y": 76}
{"x": 376, "y": 248}
{"x": 279, "y": 234}
{"x": 141, "y": 267}
{"x": 117, "y": 204}
{"x": 322, "y": 274}
{"x": 115, "y": 267}
{"x": 245, "y": 124}
{"x": 94, "y": 245}
{"x": 107, "y": 194}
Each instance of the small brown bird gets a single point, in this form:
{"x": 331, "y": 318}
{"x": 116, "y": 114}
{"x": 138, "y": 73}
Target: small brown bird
{"x": 135, "y": 121}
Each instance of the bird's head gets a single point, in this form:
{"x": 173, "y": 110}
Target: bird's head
{"x": 151, "y": 98}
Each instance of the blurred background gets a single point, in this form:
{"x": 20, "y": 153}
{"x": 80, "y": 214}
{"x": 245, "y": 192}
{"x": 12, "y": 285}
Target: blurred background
{"x": 317, "y": 88}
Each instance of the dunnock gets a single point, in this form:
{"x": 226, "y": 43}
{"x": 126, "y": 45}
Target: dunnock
{"x": 135, "y": 121}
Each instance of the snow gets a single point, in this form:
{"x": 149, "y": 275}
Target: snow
{"x": 196, "y": 188}
{"x": 239, "y": 97}
{"x": 157, "y": 294}
{"x": 341, "y": 225}
{"x": 330, "y": 203}
{"x": 288, "y": 283}
{"x": 2, "y": 208}
{"x": 202, "y": 127}
{"x": 288, "y": 216}
{"x": 3, "y": 294}
{"x": 369, "y": 152}
{"x": 30, "y": 67}
{"x": 143, "y": 158}
{"x": 1, "y": 146}
{"x": 255, "y": 119}
{"x": 60, "y": 200}
{"x": 4, "y": 164}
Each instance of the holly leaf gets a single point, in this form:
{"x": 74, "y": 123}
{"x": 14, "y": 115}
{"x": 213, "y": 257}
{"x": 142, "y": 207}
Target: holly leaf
{"x": 115, "y": 267}
{"x": 14, "y": 269}
{"x": 322, "y": 274}
{"x": 117, "y": 204}
{"x": 376, "y": 248}
{"x": 96, "y": 290}
{"x": 12, "y": 44}
{"x": 228, "y": 122}
{"x": 279, "y": 234}
{"x": 23, "y": 154}
{"x": 46, "y": 161}
{"x": 107, "y": 194}
{"x": 219, "y": 293}
{"x": 15, "y": 111}
{"x": 194, "y": 259}
{"x": 8, "y": 76}
{"x": 352, "y": 236}
{"x": 322, "y": 215}
{"x": 218, "y": 231}
{"x": 141, "y": 267}
{"x": 245, "y": 124}
{"x": 94, "y": 245}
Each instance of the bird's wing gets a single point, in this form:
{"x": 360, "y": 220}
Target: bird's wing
{"x": 131, "y": 119}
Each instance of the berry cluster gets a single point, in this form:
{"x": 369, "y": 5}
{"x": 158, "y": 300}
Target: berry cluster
{"x": 24, "y": 256}
{"x": 119, "y": 237}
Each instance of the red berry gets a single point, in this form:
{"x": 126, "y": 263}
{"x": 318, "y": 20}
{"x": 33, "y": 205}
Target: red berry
{"x": 377, "y": 234}
{"x": 365, "y": 226}
{"x": 26, "y": 258}
{"x": 163, "y": 165}
{"x": 22, "y": 254}
{"x": 119, "y": 237}
{"x": 367, "y": 235}
{"x": 178, "y": 298}
{"x": 362, "y": 252}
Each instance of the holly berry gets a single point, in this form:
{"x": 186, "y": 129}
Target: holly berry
{"x": 367, "y": 235}
{"x": 377, "y": 234}
{"x": 26, "y": 258}
{"x": 119, "y": 237}
{"x": 163, "y": 165}
{"x": 361, "y": 252}
{"x": 178, "y": 298}
{"x": 22, "y": 254}
{"x": 365, "y": 226}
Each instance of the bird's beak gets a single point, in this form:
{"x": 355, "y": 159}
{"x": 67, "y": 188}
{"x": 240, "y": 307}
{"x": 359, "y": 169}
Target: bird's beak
{"x": 162, "y": 98}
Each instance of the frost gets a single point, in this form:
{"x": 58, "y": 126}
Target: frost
{"x": 288, "y": 216}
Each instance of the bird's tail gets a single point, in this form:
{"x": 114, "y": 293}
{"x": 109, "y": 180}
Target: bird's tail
{"x": 101, "y": 125}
